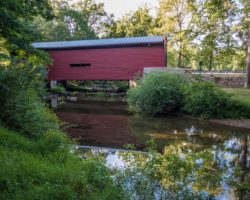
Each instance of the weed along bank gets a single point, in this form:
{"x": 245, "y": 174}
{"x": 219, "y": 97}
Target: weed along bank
{"x": 104, "y": 59}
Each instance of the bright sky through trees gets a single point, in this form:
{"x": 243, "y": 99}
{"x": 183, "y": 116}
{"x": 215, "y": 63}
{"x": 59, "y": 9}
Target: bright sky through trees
{"x": 121, "y": 7}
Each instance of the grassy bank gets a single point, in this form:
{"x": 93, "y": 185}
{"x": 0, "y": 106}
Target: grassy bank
{"x": 242, "y": 94}
{"x": 45, "y": 169}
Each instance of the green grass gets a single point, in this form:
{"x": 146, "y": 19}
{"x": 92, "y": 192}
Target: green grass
{"x": 45, "y": 169}
{"x": 241, "y": 94}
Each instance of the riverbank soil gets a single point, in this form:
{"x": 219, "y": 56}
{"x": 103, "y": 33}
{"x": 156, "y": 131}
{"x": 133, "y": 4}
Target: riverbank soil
{"x": 234, "y": 123}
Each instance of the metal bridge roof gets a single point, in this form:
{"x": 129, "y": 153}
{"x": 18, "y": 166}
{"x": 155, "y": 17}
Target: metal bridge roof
{"x": 114, "y": 42}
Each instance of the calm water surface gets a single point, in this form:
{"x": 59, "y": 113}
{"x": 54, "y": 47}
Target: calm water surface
{"x": 108, "y": 124}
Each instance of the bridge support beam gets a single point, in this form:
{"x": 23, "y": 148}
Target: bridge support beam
{"x": 132, "y": 83}
{"x": 53, "y": 84}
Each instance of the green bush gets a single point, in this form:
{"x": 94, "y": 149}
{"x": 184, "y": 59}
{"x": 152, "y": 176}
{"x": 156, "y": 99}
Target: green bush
{"x": 157, "y": 93}
{"x": 58, "y": 89}
{"x": 21, "y": 105}
{"x": 207, "y": 100}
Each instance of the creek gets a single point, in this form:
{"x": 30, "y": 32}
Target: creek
{"x": 102, "y": 128}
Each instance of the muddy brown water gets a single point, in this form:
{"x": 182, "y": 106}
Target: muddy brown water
{"x": 109, "y": 124}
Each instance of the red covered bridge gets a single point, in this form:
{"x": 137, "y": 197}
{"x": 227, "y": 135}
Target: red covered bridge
{"x": 104, "y": 59}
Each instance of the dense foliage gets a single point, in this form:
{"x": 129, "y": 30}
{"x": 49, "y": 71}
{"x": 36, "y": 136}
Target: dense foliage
{"x": 76, "y": 20}
{"x": 36, "y": 160}
{"x": 157, "y": 93}
{"x": 15, "y": 21}
{"x": 44, "y": 168}
{"x": 207, "y": 100}
{"x": 21, "y": 88}
{"x": 134, "y": 24}
{"x": 207, "y": 34}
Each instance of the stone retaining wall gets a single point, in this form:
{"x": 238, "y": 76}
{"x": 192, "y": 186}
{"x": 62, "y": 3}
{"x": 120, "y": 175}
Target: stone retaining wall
{"x": 227, "y": 82}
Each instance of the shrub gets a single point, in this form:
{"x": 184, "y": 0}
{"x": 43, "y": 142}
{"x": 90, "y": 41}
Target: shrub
{"x": 21, "y": 105}
{"x": 58, "y": 89}
{"x": 157, "y": 93}
{"x": 53, "y": 141}
{"x": 207, "y": 100}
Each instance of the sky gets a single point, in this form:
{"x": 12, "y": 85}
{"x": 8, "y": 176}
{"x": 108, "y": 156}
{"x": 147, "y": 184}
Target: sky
{"x": 121, "y": 7}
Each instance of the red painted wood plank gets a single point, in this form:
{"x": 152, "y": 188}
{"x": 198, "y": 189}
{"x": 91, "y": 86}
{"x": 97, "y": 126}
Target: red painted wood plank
{"x": 106, "y": 64}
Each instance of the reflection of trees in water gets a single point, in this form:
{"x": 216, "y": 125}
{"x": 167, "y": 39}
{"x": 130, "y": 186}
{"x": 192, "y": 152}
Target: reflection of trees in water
{"x": 242, "y": 168}
{"x": 179, "y": 168}
{"x": 188, "y": 169}
{"x": 176, "y": 171}
{"x": 176, "y": 130}
{"x": 243, "y": 157}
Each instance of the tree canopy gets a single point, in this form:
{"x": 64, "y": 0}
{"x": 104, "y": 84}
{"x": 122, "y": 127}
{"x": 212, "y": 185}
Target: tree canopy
{"x": 138, "y": 23}
{"x": 74, "y": 20}
{"x": 15, "y": 21}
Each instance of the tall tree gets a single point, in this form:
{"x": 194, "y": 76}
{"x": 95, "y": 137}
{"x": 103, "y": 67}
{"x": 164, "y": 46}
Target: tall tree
{"x": 248, "y": 55}
{"x": 138, "y": 23}
{"x": 245, "y": 22}
{"x": 75, "y": 20}
{"x": 214, "y": 23}
{"x": 209, "y": 32}
{"x": 175, "y": 18}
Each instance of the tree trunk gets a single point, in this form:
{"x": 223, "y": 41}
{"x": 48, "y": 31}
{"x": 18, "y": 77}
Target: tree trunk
{"x": 243, "y": 163}
{"x": 211, "y": 61}
{"x": 179, "y": 58}
{"x": 247, "y": 84}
